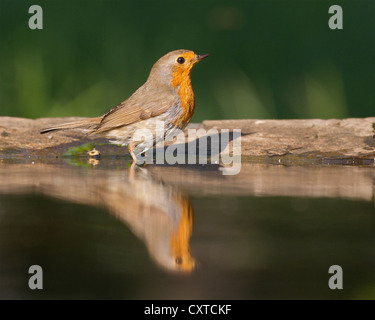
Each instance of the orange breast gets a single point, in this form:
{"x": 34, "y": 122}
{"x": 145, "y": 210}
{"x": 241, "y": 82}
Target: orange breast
{"x": 182, "y": 83}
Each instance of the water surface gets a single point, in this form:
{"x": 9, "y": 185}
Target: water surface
{"x": 185, "y": 232}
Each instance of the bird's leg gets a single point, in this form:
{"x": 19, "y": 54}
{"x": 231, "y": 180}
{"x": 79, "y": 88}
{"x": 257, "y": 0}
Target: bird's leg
{"x": 131, "y": 148}
{"x": 131, "y": 172}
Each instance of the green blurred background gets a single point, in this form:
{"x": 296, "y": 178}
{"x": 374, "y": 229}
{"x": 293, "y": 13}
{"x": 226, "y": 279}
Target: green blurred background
{"x": 269, "y": 59}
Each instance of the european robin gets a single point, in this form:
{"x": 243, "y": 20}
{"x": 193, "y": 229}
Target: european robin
{"x": 166, "y": 96}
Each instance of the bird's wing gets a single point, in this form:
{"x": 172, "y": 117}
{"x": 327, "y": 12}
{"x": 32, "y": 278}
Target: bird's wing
{"x": 138, "y": 107}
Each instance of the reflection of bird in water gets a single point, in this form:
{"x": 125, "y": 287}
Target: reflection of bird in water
{"x": 157, "y": 213}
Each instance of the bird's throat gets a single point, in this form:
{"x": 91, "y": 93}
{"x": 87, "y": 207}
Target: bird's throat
{"x": 181, "y": 81}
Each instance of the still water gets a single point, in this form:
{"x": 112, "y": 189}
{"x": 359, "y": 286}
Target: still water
{"x": 186, "y": 232}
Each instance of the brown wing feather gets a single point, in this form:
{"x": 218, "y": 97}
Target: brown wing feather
{"x": 142, "y": 105}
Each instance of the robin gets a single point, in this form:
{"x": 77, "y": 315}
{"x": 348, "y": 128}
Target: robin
{"x": 166, "y": 96}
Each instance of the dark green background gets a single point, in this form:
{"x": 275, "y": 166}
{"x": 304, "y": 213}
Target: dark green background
{"x": 269, "y": 59}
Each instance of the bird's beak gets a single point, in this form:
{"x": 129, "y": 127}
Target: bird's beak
{"x": 200, "y": 57}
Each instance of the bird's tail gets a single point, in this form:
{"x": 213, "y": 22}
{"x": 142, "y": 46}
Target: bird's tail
{"x": 87, "y": 125}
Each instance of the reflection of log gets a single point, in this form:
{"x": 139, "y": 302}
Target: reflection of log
{"x": 157, "y": 213}
{"x": 349, "y": 182}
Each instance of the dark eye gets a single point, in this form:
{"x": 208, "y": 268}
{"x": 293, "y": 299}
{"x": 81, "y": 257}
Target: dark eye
{"x": 178, "y": 260}
{"x": 180, "y": 60}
